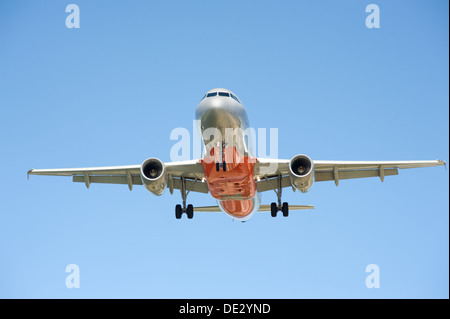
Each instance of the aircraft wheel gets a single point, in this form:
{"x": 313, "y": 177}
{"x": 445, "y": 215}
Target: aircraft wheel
{"x": 178, "y": 211}
{"x": 273, "y": 209}
{"x": 190, "y": 211}
{"x": 285, "y": 209}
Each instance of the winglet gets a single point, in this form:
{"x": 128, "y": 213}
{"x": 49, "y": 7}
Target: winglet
{"x": 28, "y": 173}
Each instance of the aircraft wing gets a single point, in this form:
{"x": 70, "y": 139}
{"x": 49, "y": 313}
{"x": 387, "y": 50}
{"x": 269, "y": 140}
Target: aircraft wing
{"x": 130, "y": 175}
{"x": 267, "y": 170}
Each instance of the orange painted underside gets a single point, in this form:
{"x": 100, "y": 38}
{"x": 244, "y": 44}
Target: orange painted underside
{"x": 238, "y": 208}
{"x": 235, "y": 187}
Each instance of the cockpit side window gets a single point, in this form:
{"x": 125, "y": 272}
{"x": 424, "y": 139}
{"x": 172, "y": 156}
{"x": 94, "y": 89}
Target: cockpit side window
{"x": 211, "y": 94}
{"x": 203, "y": 97}
{"x": 234, "y": 97}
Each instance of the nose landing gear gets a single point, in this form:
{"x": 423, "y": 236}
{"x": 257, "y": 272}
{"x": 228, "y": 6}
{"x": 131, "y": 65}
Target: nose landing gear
{"x": 223, "y": 165}
{"x": 220, "y": 163}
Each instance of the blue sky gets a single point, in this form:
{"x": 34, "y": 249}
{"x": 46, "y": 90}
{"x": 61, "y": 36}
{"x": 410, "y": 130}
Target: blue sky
{"x": 110, "y": 93}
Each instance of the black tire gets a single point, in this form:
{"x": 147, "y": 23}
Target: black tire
{"x": 190, "y": 211}
{"x": 273, "y": 209}
{"x": 224, "y": 166}
{"x": 285, "y": 209}
{"x": 178, "y": 211}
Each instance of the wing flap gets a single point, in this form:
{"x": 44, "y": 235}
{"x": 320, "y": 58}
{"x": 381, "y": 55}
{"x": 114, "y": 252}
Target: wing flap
{"x": 268, "y": 184}
{"x": 136, "y": 180}
{"x": 330, "y": 176}
{"x": 192, "y": 185}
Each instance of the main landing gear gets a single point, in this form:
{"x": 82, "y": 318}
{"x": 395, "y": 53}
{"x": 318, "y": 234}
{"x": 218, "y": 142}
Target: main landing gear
{"x": 274, "y": 208}
{"x": 189, "y": 209}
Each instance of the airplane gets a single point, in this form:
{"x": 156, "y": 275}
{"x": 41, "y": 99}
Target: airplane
{"x": 229, "y": 171}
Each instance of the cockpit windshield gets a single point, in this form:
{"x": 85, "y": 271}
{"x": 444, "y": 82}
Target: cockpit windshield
{"x": 224, "y": 94}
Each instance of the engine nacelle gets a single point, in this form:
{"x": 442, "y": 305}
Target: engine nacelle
{"x": 154, "y": 175}
{"x": 301, "y": 172}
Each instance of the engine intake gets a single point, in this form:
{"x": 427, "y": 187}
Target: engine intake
{"x": 154, "y": 175}
{"x": 301, "y": 172}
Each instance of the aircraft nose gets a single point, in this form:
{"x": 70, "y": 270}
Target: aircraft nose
{"x": 221, "y": 112}
{"x": 214, "y": 106}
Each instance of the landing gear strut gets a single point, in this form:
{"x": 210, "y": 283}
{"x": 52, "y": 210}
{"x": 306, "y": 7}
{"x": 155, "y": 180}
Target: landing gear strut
{"x": 189, "y": 209}
{"x": 274, "y": 208}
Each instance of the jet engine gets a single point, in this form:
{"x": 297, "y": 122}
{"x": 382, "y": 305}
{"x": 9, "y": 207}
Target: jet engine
{"x": 301, "y": 172}
{"x": 154, "y": 175}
